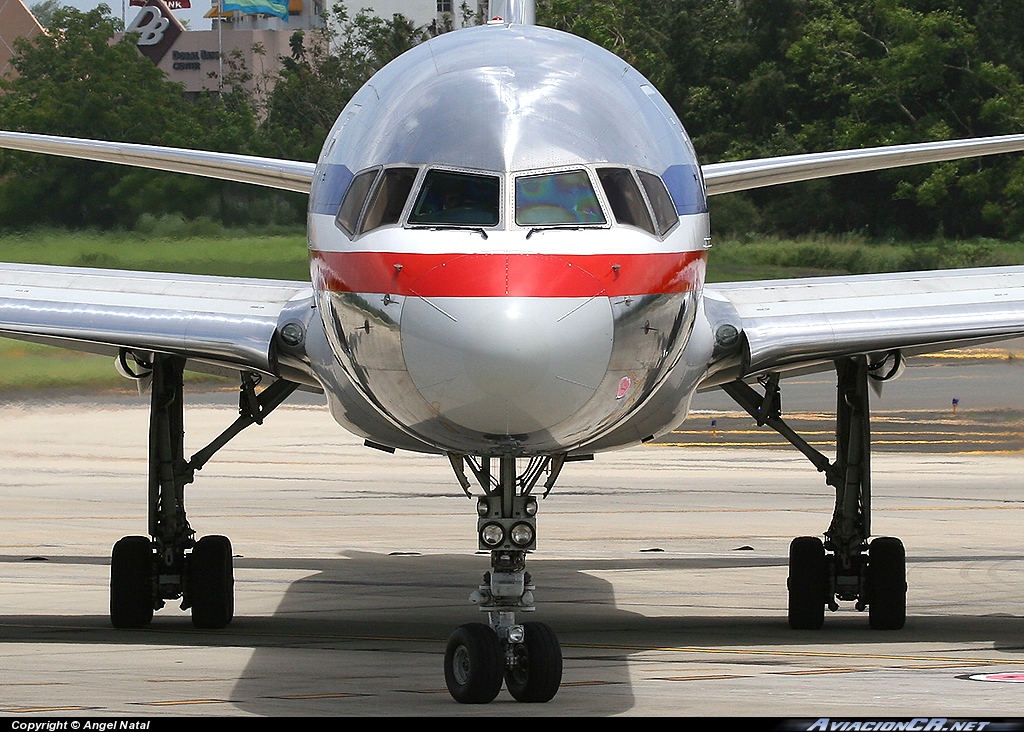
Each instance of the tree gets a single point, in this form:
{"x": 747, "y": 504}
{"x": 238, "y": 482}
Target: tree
{"x": 74, "y": 82}
{"x": 325, "y": 69}
{"x": 893, "y": 71}
{"x": 43, "y": 11}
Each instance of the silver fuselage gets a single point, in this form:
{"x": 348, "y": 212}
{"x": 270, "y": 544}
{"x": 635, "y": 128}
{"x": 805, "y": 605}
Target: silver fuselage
{"x": 509, "y": 338}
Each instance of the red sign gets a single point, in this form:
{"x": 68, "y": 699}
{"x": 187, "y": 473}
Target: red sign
{"x": 172, "y": 4}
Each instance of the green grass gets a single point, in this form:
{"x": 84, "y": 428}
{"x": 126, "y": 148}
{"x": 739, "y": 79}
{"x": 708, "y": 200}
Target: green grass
{"x": 26, "y": 367}
{"x": 756, "y": 258}
{"x": 243, "y": 254}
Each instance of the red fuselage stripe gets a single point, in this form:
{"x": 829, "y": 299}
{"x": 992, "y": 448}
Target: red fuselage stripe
{"x": 508, "y": 275}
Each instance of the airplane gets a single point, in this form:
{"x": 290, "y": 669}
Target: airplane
{"x": 508, "y": 233}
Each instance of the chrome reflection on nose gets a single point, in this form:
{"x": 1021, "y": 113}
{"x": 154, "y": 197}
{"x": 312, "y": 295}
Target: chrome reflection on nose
{"x": 507, "y": 365}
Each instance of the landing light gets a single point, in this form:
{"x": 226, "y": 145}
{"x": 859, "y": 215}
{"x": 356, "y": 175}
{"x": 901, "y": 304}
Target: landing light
{"x": 483, "y": 507}
{"x": 530, "y": 507}
{"x": 492, "y": 534}
{"x": 522, "y": 534}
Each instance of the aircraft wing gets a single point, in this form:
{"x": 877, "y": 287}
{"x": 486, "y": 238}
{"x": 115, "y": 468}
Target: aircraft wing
{"x": 719, "y": 178}
{"x": 745, "y": 174}
{"x": 223, "y": 322}
{"x": 799, "y": 323}
{"x": 288, "y": 175}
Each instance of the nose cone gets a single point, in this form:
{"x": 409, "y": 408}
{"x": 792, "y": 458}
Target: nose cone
{"x": 507, "y": 365}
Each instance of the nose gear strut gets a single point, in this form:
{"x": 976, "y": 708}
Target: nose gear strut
{"x": 526, "y": 656}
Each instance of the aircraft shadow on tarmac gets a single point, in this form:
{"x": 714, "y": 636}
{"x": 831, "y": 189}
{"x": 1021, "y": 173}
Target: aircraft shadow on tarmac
{"x": 392, "y": 606}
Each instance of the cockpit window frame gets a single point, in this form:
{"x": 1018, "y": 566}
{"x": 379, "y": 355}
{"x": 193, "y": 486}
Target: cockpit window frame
{"x": 417, "y": 188}
{"x": 358, "y": 220}
{"x": 375, "y": 190}
{"x": 656, "y": 230}
{"x": 510, "y": 197}
{"x": 514, "y": 202}
{"x": 370, "y": 196}
{"x": 644, "y": 206}
{"x": 673, "y": 219}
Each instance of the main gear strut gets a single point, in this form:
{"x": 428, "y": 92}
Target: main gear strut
{"x": 872, "y": 574}
{"x": 170, "y": 563}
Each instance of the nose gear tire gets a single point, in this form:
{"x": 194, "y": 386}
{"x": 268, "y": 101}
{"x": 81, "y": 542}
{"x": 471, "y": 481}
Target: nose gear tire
{"x": 473, "y": 664}
{"x": 536, "y": 670}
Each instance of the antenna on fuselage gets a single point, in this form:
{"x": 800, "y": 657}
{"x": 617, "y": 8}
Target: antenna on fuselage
{"x": 520, "y": 12}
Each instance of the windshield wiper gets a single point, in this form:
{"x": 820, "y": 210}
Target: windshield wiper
{"x": 549, "y": 228}
{"x": 478, "y": 229}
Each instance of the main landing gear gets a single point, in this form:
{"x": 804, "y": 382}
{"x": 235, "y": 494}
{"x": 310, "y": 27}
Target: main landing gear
{"x": 527, "y": 656}
{"x": 169, "y": 563}
{"x": 845, "y": 566}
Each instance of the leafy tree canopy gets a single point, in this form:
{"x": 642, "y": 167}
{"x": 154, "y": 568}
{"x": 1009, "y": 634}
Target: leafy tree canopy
{"x": 748, "y": 79}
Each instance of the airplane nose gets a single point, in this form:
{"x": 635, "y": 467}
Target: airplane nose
{"x": 507, "y": 365}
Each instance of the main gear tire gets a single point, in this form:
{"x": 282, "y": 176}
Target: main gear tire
{"x": 887, "y": 584}
{"x": 131, "y": 582}
{"x": 211, "y": 583}
{"x": 807, "y": 583}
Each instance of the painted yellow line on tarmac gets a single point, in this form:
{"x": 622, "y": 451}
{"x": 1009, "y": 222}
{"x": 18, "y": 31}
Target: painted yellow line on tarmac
{"x": 926, "y": 666}
{"x": 232, "y": 637}
{"x": 817, "y": 671}
{"x": 590, "y": 683}
{"x": 33, "y": 683}
{"x": 875, "y": 435}
{"x": 190, "y": 681}
{"x": 30, "y": 710}
{"x": 970, "y": 355}
{"x": 707, "y": 677}
{"x": 781, "y": 443}
{"x": 339, "y": 695}
{"x": 183, "y": 702}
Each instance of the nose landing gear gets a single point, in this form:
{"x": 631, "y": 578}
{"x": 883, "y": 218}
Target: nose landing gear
{"x": 527, "y": 656}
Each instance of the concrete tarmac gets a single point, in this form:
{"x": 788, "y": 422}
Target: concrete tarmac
{"x": 661, "y": 568}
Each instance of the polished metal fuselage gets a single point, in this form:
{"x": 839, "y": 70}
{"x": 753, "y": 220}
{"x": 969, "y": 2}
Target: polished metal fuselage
{"x": 507, "y": 339}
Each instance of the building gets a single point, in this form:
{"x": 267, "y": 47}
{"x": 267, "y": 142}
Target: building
{"x": 200, "y": 59}
{"x": 16, "y": 21}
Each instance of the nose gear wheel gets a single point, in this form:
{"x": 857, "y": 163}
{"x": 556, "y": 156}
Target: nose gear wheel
{"x": 473, "y": 664}
{"x": 529, "y": 656}
{"x": 534, "y": 670}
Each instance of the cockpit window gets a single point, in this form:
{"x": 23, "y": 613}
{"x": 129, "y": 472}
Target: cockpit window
{"x": 624, "y": 196}
{"x": 389, "y": 198}
{"x": 664, "y": 209}
{"x": 557, "y": 198}
{"x": 448, "y": 198}
{"x": 355, "y": 197}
